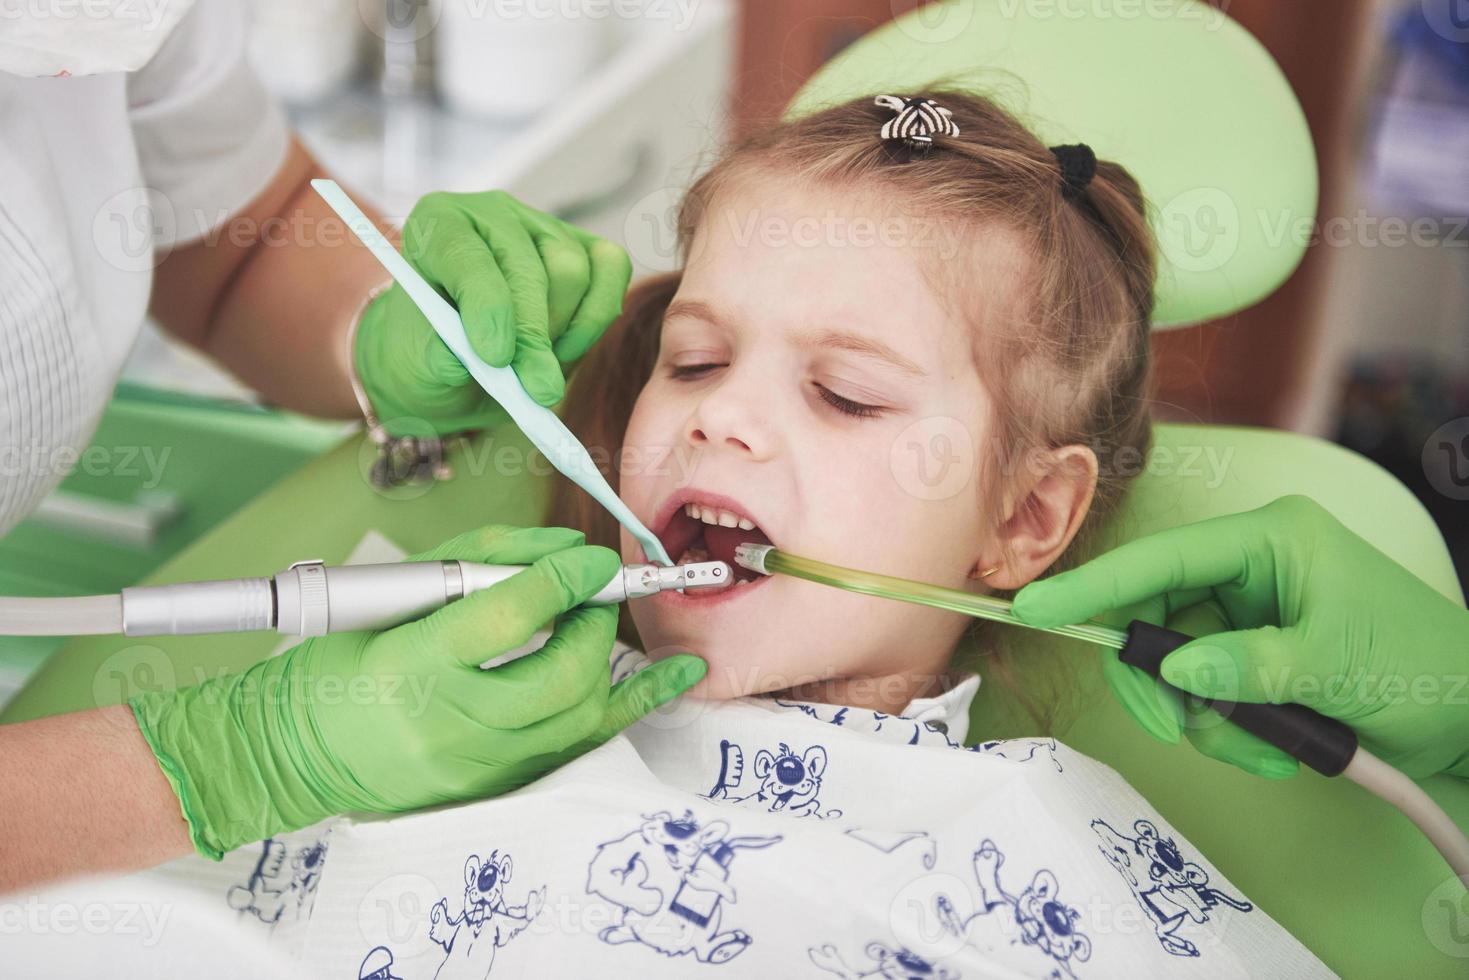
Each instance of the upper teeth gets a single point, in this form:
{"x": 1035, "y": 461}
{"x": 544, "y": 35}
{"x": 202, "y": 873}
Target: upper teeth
{"x": 723, "y": 518}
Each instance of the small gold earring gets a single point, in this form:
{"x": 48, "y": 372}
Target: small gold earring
{"x": 988, "y": 572}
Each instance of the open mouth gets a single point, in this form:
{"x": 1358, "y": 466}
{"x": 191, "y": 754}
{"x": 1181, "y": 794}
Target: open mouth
{"x": 709, "y": 527}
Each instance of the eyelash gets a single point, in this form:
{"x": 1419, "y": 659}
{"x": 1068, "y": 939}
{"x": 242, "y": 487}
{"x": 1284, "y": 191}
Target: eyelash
{"x": 854, "y": 409}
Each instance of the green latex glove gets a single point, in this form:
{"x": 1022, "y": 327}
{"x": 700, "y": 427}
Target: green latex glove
{"x": 533, "y": 291}
{"x": 1312, "y": 613}
{"x": 405, "y": 718}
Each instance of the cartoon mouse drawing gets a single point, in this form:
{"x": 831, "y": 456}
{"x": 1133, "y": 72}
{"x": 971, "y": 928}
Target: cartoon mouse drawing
{"x": 1169, "y": 889}
{"x": 887, "y": 964}
{"x": 1036, "y": 916}
{"x": 377, "y": 965}
{"x": 265, "y": 893}
{"x": 788, "y": 782}
{"x": 485, "y": 924}
{"x": 306, "y": 868}
{"x": 670, "y": 881}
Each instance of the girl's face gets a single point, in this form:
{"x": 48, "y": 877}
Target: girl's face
{"x": 812, "y": 384}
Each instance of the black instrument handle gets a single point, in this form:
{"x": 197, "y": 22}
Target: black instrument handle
{"x": 1322, "y": 743}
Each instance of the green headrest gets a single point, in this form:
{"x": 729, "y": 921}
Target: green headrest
{"x": 1173, "y": 90}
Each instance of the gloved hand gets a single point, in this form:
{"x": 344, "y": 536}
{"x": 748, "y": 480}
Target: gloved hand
{"x": 405, "y": 718}
{"x": 533, "y": 291}
{"x": 1314, "y": 615}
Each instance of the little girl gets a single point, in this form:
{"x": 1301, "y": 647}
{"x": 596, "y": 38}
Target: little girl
{"x": 898, "y": 358}
{"x": 903, "y": 334}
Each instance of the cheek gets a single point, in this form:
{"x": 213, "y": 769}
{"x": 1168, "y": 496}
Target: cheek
{"x": 907, "y": 505}
{"x": 643, "y": 442}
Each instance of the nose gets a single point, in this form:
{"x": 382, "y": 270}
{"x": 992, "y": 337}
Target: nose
{"x": 737, "y": 414}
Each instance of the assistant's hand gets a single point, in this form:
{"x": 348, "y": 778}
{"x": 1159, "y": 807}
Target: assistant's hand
{"x": 1313, "y": 614}
{"x": 533, "y": 291}
{"x": 406, "y": 718}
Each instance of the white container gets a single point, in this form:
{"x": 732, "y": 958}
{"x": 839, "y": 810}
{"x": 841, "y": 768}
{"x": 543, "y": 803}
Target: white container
{"x": 303, "y": 50}
{"x": 510, "y": 59}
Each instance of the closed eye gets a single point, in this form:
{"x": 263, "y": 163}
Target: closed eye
{"x": 685, "y": 372}
{"x": 855, "y": 409}
{"x": 846, "y": 405}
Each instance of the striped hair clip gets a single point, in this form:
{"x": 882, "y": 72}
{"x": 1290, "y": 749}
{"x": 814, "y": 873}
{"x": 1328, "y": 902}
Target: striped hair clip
{"x": 917, "y": 121}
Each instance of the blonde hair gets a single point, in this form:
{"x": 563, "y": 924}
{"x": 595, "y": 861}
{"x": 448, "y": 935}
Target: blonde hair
{"x": 1069, "y": 366}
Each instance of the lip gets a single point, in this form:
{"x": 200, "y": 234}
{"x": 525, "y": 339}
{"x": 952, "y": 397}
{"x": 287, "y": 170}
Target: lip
{"x": 702, "y": 598}
{"x": 707, "y": 598}
{"x": 686, "y": 495}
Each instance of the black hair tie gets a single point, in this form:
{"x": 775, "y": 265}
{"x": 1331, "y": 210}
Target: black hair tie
{"x": 1078, "y": 167}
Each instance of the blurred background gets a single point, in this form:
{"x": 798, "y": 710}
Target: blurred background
{"x": 603, "y": 110}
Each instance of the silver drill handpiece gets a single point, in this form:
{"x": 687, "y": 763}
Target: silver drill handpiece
{"x": 312, "y": 598}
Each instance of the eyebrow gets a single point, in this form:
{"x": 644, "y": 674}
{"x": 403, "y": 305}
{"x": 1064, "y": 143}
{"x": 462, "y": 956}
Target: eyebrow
{"x": 834, "y": 339}
{"x": 866, "y": 346}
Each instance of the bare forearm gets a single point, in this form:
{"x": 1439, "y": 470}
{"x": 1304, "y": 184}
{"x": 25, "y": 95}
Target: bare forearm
{"x": 83, "y": 794}
{"x": 271, "y": 294}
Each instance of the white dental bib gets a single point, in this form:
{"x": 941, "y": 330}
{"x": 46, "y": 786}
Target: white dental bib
{"x": 767, "y": 838}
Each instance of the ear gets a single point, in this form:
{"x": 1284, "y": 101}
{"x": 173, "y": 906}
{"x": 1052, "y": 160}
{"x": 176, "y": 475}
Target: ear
{"x": 1041, "y": 517}
{"x": 471, "y": 869}
{"x": 505, "y": 868}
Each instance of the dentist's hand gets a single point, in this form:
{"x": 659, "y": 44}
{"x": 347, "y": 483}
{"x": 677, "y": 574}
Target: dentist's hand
{"x": 534, "y": 293}
{"x": 406, "y": 718}
{"x": 1313, "y": 613}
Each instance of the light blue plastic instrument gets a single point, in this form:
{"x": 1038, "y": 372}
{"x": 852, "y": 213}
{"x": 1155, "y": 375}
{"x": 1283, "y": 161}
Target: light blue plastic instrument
{"x": 541, "y": 426}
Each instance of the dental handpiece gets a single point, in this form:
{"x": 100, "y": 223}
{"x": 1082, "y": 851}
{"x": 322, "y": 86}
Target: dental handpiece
{"x": 311, "y": 598}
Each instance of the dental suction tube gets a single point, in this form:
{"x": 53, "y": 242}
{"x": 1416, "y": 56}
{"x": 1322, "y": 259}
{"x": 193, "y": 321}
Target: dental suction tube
{"x": 1325, "y": 744}
{"x": 312, "y": 599}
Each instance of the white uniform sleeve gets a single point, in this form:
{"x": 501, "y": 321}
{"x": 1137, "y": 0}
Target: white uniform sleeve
{"x": 209, "y": 136}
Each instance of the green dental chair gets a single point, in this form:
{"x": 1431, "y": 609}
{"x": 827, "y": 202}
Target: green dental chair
{"x": 1204, "y": 119}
